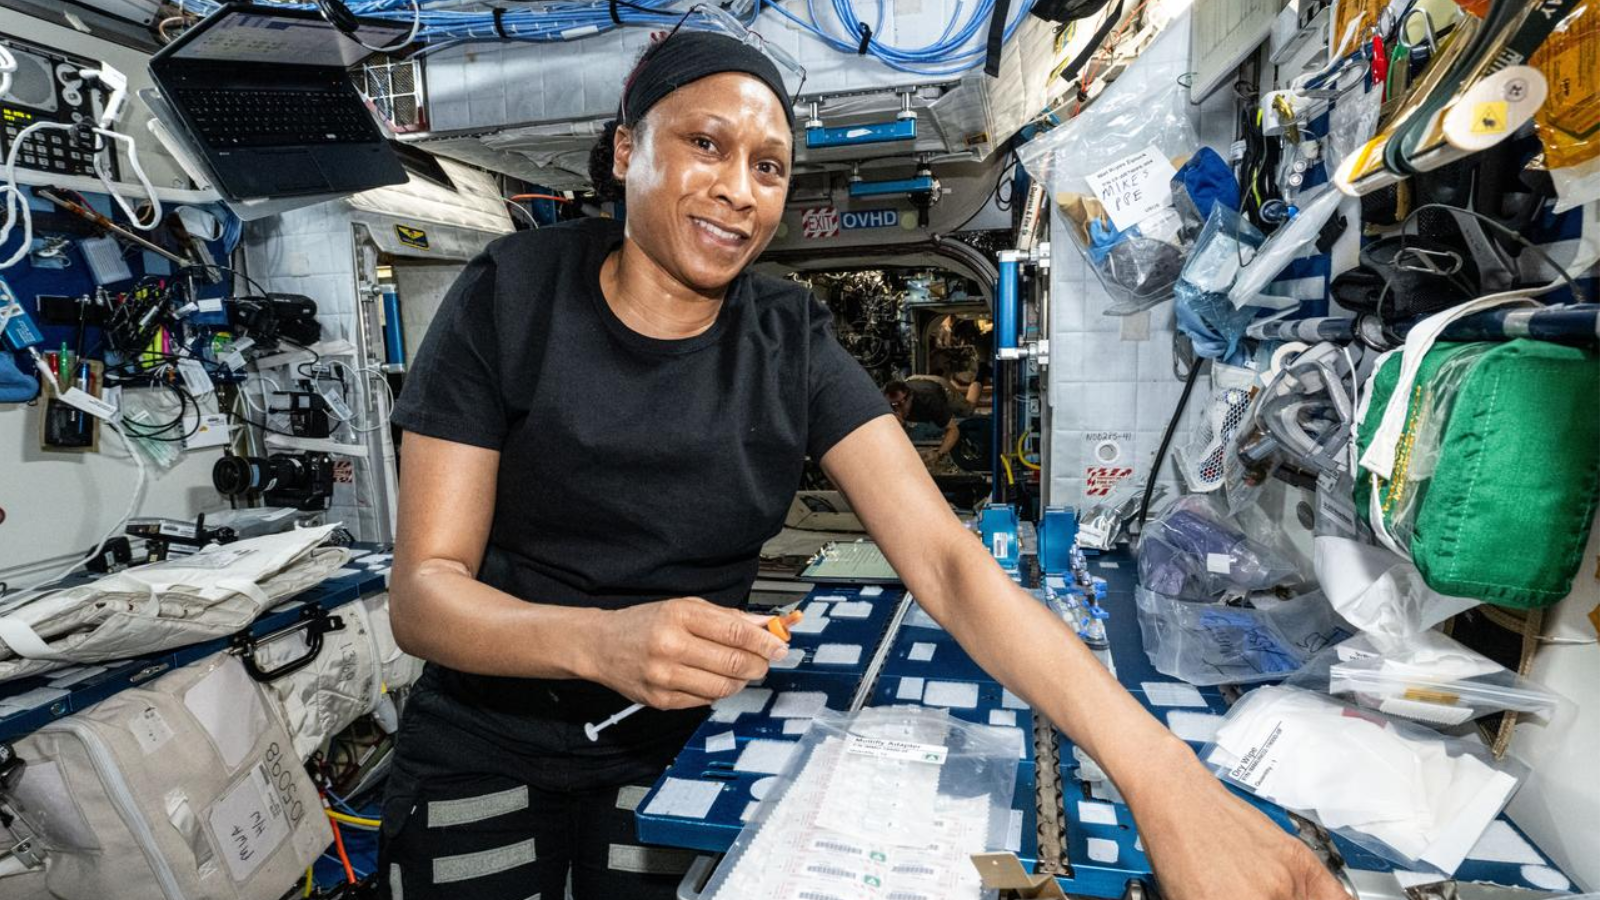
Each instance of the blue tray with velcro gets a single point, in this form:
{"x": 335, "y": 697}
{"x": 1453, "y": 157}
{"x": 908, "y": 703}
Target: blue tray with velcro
{"x": 865, "y": 632}
{"x": 840, "y": 690}
{"x": 27, "y": 704}
{"x": 675, "y": 821}
{"x": 932, "y": 654}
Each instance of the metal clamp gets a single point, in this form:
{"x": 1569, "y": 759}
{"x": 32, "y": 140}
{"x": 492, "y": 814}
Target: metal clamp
{"x": 314, "y": 623}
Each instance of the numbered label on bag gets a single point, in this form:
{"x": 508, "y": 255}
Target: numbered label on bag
{"x": 249, "y": 823}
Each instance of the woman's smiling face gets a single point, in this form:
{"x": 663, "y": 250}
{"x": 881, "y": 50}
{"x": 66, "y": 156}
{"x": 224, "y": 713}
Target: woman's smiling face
{"x": 706, "y": 173}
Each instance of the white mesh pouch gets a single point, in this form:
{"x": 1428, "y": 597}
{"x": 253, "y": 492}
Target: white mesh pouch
{"x": 1200, "y": 460}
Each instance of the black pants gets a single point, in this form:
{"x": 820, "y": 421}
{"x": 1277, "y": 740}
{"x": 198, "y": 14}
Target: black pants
{"x": 482, "y": 805}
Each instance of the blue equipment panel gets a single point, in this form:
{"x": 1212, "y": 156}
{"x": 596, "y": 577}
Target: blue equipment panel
{"x": 1058, "y": 532}
{"x": 88, "y": 684}
{"x": 855, "y": 135}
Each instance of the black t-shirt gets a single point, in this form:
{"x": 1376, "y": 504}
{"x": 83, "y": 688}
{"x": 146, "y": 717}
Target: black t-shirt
{"x": 928, "y": 403}
{"x": 632, "y": 469}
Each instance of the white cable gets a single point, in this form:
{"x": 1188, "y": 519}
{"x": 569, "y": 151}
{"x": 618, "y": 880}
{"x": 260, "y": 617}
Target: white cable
{"x": 8, "y": 64}
{"x": 133, "y": 500}
{"x": 362, "y": 375}
{"x": 138, "y": 172}
{"x": 16, "y": 206}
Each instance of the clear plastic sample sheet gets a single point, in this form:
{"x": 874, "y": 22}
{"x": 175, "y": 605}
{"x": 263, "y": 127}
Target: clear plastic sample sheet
{"x": 883, "y": 803}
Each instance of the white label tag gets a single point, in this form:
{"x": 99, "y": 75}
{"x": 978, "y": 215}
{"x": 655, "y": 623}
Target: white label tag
{"x": 150, "y": 730}
{"x": 176, "y": 529}
{"x": 211, "y": 432}
{"x": 1002, "y": 544}
{"x": 341, "y": 410}
{"x": 234, "y": 360}
{"x": 195, "y": 377}
{"x": 1134, "y": 187}
{"x": 243, "y": 344}
{"x": 908, "y": 751}
{"x": 1219, "y": 563}
{"x": 1259, "y": 762}
{"x": 89, "y": 403}
{"x": 209, "y": 305}
{"x": 249, "y": 824}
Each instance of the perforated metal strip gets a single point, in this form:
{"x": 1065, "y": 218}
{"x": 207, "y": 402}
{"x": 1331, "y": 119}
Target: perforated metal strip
{"x": 1052, "y": 822}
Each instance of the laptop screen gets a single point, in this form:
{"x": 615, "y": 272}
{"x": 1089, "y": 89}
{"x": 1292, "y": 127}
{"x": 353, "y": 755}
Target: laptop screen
{"x": 250, "y": 37}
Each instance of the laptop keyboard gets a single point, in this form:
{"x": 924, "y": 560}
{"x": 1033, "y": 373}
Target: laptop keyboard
{"x": 268, "y": 118}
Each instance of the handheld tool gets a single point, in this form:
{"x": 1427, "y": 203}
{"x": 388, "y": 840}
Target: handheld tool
{"x": 778, "y": 625}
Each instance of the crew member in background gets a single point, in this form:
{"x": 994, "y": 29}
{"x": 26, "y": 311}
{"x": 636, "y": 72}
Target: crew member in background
{"x": 925, "y": 399}
{"x": 602, "y": 427}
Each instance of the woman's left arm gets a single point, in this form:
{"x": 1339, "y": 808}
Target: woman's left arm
{"x": 1205, "y": 843}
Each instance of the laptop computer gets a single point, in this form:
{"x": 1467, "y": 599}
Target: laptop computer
{"x": 264, "y": 93}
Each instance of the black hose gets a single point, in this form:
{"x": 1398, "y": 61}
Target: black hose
{"x": 1166, "y": 440}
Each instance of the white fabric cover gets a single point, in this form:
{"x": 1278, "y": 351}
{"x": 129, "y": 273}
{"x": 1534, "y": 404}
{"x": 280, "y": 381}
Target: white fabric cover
{"x": 356, "y": 666}
{"x": 215, "y": 592}
{"x": 184, "y": 788}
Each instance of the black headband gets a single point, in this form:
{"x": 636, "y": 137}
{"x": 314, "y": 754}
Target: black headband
{"x": 689, "y": 56}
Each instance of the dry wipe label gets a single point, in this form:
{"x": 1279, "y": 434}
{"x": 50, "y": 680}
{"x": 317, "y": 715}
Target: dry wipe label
{"x": 249, "y": 823}
{"x": 907, "y": 751}
{"x": 1134, "y": 187}
{"x": 1258, "y": 763}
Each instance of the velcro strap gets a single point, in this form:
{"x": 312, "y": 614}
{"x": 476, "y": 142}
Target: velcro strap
{"x": 997, "y": 37}
{"x": 866, "y": 38}
{"x": 500, "y": 21}
{"x": 23, "y": 640}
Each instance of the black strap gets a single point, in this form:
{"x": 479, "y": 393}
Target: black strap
{"x": 997, "y": 37}
{"x": 866, "y": 38}
{"x": 500, "y": 23}
{"x": 615, "y": 19}
{"x": 1082, "y": 59}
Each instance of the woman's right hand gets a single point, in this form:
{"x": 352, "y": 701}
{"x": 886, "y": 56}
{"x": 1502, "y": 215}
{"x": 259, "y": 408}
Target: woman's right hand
{"x": 681, "y": 653}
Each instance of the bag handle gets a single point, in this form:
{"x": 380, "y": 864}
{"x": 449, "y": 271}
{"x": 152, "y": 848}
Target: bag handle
{"x": 314, "y": 623}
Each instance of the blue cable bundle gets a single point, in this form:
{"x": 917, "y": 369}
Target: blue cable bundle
{"x": 960, "y": 48}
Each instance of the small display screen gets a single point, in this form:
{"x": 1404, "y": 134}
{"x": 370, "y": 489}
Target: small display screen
{"x": 254, "y": 38}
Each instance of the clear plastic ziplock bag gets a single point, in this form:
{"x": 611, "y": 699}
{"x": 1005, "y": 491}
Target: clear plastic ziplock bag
{"x": 885, "y": 802}
{"x": 1110, "y": 171}
{"x": 1428, "y": 678}
{"x": 1405, "y": 792}
{"x": 1195, "y": 552}
{"x": 1400, "y": 498}
{"x": 1213, "y": 643}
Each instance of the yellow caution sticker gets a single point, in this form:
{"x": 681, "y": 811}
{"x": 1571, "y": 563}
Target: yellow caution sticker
{"x": 1594, "y": 619}
{"x": 1489, "y": 118}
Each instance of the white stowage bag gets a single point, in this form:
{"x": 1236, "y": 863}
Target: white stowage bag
{"x": 217, "y": 591}
{"x": 357, "y": 665}
{"x": 183, "y": 788}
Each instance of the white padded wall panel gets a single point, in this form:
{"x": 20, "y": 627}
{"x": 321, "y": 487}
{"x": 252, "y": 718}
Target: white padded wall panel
{"x": 1108, "y": 375}
{"x": 309, "y": 251}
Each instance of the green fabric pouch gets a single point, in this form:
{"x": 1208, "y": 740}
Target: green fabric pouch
{"x": 1496, "y": 476}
